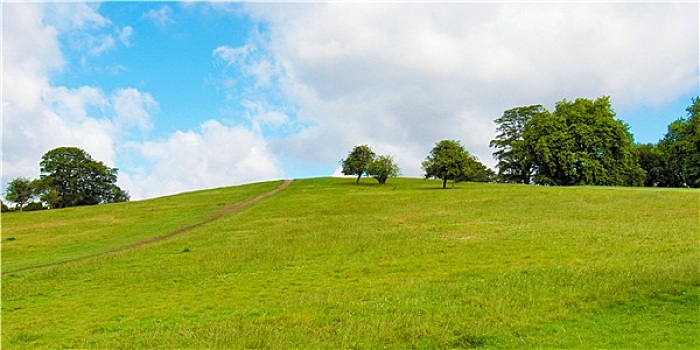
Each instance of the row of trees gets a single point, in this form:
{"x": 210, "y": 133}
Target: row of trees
{"x": 448, "y": 160}
{"x": 675, "y": 160}
{"x": 581, "y": 143}
{"x": 69, "y": 177}
{"x": 362, "y": 160}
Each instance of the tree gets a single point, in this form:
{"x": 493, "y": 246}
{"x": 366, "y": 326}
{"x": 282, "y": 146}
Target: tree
{"x": 70, "y": 177}
{"x": 3, "y": 207}
{"x": 477, "y": 171}
{"x": 358, "y": 161}
{"x": 681, "y": 149}
{"x": 652, "y": 161}
{"x": 581, "y": 143}
{"x": 382, "y": 168}
{"x": 20, "y": 191}
{"x": 514, "y": 161}
{"x": 448, "y": 160}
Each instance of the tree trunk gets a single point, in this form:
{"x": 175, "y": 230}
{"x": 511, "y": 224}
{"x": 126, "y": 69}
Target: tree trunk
{"x": 358, "y": 178}
{"x": 444, "y": 182}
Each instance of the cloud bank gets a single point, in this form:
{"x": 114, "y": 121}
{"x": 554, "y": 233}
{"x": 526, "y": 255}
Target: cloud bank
{"x": 113, "y": 126}
{"x": 403, "y": 76}
{"x": 315, "y": 79}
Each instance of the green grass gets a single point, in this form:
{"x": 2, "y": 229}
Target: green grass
{"x": 326, "y": 263}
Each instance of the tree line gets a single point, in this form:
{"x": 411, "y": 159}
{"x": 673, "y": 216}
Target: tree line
{"x": 448, "y": 160}
{"x": 579, "y": 143}
{"x": 582, "y": 143}
{"x": 69, "y": 177}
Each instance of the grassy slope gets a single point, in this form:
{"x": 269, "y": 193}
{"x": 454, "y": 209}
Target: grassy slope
{"x": 326, "y": 263}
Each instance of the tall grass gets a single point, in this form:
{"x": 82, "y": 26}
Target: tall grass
{"x": 330, "y": 264}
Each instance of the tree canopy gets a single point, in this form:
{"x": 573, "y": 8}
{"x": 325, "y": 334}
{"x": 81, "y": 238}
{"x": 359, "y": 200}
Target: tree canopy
{"x": 70, "y": 177}
{"x": 383, "y": 167}
{"x": 680, "y": 149}
{"x": 20, "y": 191}
{"x": 580, "y": 143}
{"x": 448, "y": 160}
{"x": 358, "y": 161}
{"x": 514, "y": 162}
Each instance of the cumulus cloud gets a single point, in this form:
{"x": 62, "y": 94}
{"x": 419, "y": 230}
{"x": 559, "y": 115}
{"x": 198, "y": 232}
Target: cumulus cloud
{"x": 113, "y": 127}
{"x": 214, "y": 155}
{"x": 403, "y": 76}
{"x": 38, "y": 116}
{"x": 133, "y": 108}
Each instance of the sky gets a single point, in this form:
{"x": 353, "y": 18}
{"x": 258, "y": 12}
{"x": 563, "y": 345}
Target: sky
{"x": 182, "y": 96}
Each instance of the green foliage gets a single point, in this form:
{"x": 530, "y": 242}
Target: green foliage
{"x": 4, "y": 207}
{"x": 383, "y": 167}
{"x": 77, "y": 179}
{"x": 478, "y": 172}
{"x": 358, "y": 161}
{"x": 514, "y": 161}
{"x": 653, "y": 161}
{"x": 20, "y": 191}
{"x": 581, "y": 143}
{"x": 328, "y": 264}
{"x": 681, "y": 149}
{"x": 33, "y": 206}
{"x": 448, "y": 160}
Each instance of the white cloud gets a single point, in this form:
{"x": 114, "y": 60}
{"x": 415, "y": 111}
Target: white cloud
{"x": 213, "y": 155}
{"x": 74, "y": 15}
{"x": 133, "y": 108}
{"x": 403, "y": 76}
{"x": 161, "y": 17}
{"x": 125, "y": 35}
{"x": 79, "y": 25}
{"x": 39, "y": 116}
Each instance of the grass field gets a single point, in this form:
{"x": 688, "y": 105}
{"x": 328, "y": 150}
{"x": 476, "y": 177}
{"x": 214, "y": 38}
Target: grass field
{"x": 326, "y": 263}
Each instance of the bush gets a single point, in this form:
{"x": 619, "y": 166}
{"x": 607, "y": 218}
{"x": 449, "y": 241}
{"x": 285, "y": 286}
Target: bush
{"x": 4, "y": 207}
{"x": 32, "y": 206}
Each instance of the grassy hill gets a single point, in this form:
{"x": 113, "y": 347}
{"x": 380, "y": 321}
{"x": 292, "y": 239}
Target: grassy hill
{"x": 326, "y": 263}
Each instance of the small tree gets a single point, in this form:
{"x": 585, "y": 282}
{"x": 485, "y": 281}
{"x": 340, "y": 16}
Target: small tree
{"x": 20, "y": 191}
{"x": 382, "y": 168}
{"x": 358, "y": 161}
{"x": 448, "y": 160}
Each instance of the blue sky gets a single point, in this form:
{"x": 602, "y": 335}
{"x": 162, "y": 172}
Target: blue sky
{"x": 189, "y": 95}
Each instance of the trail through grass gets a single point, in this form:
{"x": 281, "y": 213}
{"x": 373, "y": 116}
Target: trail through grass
{"x": 330, "y": 264}
{"x": 49, "y": 237}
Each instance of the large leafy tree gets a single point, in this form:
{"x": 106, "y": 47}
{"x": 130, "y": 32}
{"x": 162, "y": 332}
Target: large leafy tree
{"x": 70, "y": 177}
{"x": 358, "y": 161}
{"x": 652, "y": 161}
{"x": 20, "y": 191}
{"x": 382, "y": 168}
{"x": 514, "y": 161}
{"x": 581, "y": 143}
{"x": 448, "y": 160}
{"x": 681, "y": 149}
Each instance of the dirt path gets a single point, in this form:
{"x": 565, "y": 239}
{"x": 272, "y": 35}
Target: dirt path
{"x": 229, "y": 209}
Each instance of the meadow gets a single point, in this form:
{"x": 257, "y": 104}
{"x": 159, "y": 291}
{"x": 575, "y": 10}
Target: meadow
{"x": 326, "y": 263}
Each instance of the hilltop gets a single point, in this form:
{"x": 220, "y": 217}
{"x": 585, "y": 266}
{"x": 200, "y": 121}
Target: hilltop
{"x": 325, "y": 263}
